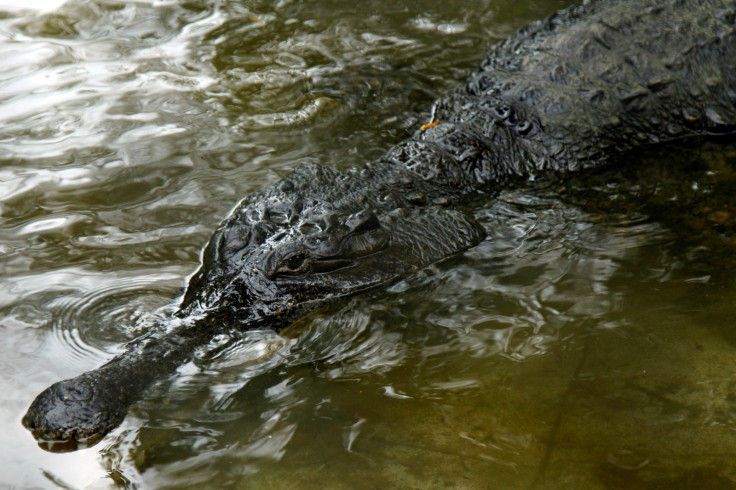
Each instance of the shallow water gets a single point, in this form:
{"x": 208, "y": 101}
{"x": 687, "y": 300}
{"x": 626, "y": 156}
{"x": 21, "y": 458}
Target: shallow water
{"x": 587, "y": 343}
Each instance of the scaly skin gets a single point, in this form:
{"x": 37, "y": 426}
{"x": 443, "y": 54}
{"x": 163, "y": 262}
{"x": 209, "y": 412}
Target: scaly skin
{"x": 574, "y": 91}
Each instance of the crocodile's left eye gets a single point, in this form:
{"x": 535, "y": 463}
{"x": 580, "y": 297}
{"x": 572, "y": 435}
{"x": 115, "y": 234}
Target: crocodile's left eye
{"x": 292, "y": 263}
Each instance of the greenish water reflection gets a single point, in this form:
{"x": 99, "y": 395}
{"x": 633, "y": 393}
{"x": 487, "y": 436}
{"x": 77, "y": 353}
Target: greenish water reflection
{"x": 587, "y": 343}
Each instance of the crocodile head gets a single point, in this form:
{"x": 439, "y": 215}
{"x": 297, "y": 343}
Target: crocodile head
{"x": 315, "y": 237}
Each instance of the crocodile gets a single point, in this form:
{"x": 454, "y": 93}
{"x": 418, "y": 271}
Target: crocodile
{"x": 580, "y": 89}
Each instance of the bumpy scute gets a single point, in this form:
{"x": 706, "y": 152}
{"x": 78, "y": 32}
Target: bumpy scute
{"x": 570, "y": 92}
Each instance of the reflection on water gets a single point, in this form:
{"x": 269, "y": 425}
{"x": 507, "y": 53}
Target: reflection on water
{"x": 587, "y": 343}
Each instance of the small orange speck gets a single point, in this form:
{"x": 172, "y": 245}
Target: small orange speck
{"x": 429, "y": 125}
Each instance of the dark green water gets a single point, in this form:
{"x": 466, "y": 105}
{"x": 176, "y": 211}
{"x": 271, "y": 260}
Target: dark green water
{"x": 587, "y": 343}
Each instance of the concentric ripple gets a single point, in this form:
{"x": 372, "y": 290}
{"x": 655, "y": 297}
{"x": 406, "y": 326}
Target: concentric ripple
{"x": 591, "y": 331}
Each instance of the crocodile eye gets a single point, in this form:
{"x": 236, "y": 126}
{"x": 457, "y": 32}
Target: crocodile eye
{"x": 293, "y": 263}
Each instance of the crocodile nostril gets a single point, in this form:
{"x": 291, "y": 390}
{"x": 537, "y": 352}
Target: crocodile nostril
{"x": 79, "y": 391}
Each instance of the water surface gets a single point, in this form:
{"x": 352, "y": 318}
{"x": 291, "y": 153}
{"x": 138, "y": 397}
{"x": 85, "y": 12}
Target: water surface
{"x": 587, "y": 343}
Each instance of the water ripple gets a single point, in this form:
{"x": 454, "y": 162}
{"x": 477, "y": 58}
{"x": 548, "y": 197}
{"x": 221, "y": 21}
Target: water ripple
{"x": 129, "y": 129}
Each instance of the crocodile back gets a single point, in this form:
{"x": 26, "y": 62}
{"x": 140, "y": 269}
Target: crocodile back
{"x": 581, "y": 86}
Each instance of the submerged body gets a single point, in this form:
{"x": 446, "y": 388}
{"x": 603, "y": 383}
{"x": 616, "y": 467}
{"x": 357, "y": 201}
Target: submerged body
{"x": 574, "y": 91}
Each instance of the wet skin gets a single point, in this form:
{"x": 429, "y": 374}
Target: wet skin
{"x": 575, "y": 91}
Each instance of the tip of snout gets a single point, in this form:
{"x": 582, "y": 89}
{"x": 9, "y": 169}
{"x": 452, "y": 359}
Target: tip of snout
{"x": 66, "y": 413}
